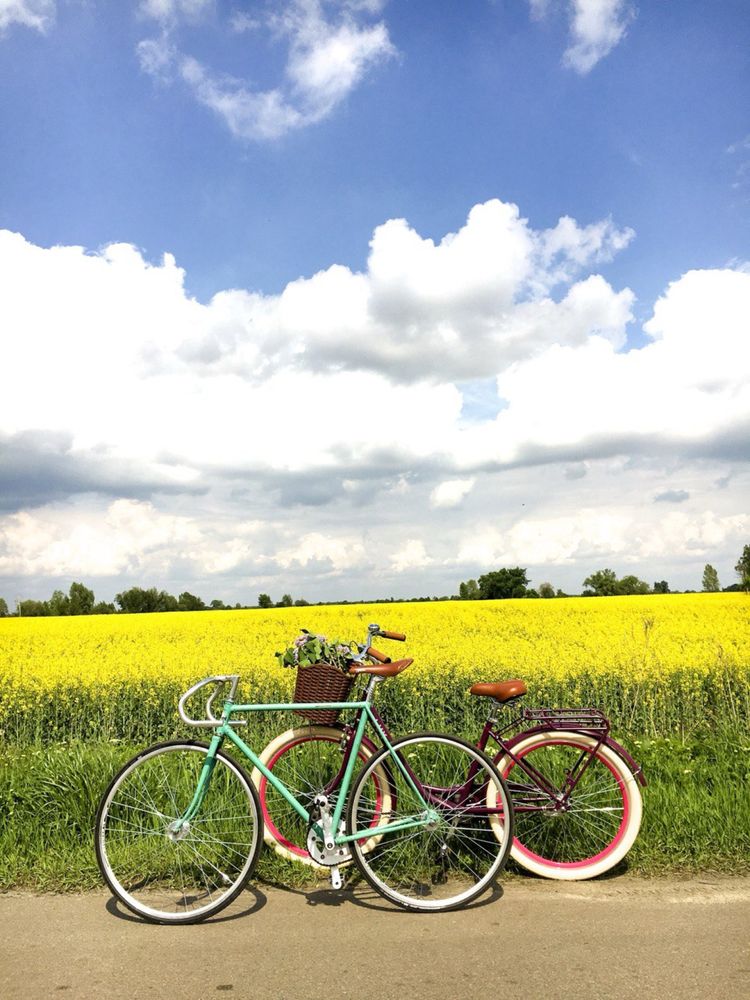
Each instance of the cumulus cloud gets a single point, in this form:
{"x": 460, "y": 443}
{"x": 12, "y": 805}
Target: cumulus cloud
{"x": 330, "y": 50}
{"x": 591, "y": 536}
{"x": 413, "y": 555}
{"x": 36, "y": 14}
{"x": 451, "y": 492}
{"x": 468, "y": 305}
{"x": 389, "y": 348}
{"x": 341, "y": 400}
{"x": 131, "y": 536}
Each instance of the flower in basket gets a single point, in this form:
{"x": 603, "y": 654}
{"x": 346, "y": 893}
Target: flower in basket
{"x": 308, "y": 649}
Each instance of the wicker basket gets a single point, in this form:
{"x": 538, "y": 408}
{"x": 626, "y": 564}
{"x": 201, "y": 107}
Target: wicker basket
{"x": 321, "y": 682}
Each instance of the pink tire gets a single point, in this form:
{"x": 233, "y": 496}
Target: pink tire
{"x": 603, "y": 814}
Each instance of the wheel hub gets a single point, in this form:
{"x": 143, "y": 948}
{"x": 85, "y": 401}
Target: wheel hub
{"x": 178, "y": 830}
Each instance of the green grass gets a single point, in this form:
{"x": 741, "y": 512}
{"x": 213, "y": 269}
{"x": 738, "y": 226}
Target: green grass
{"x": 696, "y": 810}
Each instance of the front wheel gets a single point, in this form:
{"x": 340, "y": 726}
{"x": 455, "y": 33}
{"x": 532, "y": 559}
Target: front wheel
{"x": 440, "y": 843}
{"x": 172, "y": 872}
{"x": 581, "y": 834}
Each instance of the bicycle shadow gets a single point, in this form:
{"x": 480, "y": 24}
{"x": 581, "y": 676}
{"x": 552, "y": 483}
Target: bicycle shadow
{"x": 117, "y": 909}
{"x": 356, "y": 892}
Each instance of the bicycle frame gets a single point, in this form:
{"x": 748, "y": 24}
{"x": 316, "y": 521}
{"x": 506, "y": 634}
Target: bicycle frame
{"x": 366, "y": 714}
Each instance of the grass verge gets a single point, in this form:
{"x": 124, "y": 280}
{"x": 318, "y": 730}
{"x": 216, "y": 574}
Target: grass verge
{"x": 696, "y": 811}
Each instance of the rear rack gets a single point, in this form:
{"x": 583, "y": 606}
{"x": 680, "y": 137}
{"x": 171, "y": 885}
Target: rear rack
{"x": 590, "y": 719}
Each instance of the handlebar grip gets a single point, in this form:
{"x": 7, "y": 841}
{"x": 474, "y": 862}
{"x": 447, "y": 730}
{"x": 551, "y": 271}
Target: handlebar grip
{"x": 393, "y": 635}
{"x": 375, "y": 654}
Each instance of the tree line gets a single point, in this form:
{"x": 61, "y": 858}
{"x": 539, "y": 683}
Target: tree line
{"x": 80, "y": 600}
{"x": 513, "y": 582}
{"x": 500, "y": 584}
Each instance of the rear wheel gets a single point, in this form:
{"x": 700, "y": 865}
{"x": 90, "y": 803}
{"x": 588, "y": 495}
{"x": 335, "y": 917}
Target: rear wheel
{"x": 444, "y": 857}
{"x": 588, "y": 832}
{"x": 308, "y": 760}
{"x": 161, "y": 869}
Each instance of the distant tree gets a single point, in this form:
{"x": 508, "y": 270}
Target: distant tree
{"x": 3, "y": 608}
{"x": 33, "y": 609}
{"x": 733, "y": 588}
{"x": 285, "y": 602}
{"x": 531, "y": 593}
{"x": 503, "y": 583}
{"x": 264, "y": 601}
{"x": 710, "y": 584}
{"x": 189, "y": 602}
{"x": 560, "y": 593}
{"x": 469, "y": 591}
{"x": 632, "y": 585}
{"x": 166, "y": 602}
{"x": 81, "y": 599}
{"x": 603, "y": 583}
{"x": 661, "y": 587}
{"x": 546, "y": 590}
{"x": 103, "y": 608}
{"x": 59, "y": 604}
{"x": 140, "y": 601}
{"x": 218, "y": 606}
{"x": 301, "y": 603}
{"x": 743, "y": 568}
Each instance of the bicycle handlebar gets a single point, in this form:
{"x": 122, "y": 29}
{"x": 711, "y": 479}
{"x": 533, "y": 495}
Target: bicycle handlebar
{"x": 211, "y": 720}
{"x": 392, "y": 635}
{"x": 375, "y": 654}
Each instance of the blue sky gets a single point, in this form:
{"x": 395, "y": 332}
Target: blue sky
{"x": 263, "y": 143}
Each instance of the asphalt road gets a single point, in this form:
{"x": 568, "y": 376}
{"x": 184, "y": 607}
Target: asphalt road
{"x": 618, "y": 938}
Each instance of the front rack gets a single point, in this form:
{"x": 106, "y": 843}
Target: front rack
{"x": 590, "y": 719}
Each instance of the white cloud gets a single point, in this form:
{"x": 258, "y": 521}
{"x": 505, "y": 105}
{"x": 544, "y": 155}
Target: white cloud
{"x": 597, "y": 26}
{"x": 37, "y": 14}
{"x": 342, "y": 552}
{"x": 413, "y": 555}
{"x": 329, "y": 53}
{"x": 130, "y": 536}
{"x": 459, "y": 309}
{"x": 249, "y": 114}
{"x": 592, "y": 537}
{"x": 328, "y": 59}
{"x": 451, "y": 492}
{"x": 156, "y": 56}
{"x": 340, "y": 399}
{"x": 113, "y": 328}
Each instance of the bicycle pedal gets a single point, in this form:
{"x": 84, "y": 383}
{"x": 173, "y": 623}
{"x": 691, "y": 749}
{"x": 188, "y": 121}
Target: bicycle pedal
{"x": 336, "y": 880}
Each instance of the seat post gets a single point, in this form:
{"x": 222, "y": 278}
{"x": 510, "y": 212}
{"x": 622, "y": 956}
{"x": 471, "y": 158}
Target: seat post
{"x": 495, "y": 707}
{"x": 370, "y": 689}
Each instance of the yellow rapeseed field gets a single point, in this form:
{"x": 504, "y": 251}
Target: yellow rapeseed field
{"x": 641, "y": 641}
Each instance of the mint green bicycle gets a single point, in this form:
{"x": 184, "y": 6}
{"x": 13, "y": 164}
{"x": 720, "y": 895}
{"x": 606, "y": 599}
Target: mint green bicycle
{"x": 428, "y": 818}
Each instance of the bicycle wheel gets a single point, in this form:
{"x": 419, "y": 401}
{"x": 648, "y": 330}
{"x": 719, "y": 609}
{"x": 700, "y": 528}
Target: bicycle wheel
{"x": 451, "y": 859}
{"x": 177, "y": 877}
{"x": 602, "y": 817}
{"x": 308, "y": 760}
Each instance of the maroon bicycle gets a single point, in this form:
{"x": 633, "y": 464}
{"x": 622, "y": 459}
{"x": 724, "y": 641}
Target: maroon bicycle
{"x": 575, "y": 790}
